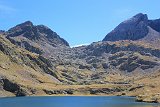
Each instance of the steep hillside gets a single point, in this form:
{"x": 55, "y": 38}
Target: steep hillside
{"x": 23, "y": 72}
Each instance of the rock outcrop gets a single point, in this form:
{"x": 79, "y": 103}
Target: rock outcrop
{"x": 148, "y": 98}
{"x": 34, "y": 38}
{"x": 132, "y": 29}
{"x": 135, "y": 28}
{"x": 154, "y": 24}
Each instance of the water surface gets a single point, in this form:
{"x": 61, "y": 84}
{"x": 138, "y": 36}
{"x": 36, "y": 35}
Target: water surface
{"x": 73, "y": 101}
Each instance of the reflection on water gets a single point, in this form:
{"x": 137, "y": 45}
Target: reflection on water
{"x": 75, "y": 101}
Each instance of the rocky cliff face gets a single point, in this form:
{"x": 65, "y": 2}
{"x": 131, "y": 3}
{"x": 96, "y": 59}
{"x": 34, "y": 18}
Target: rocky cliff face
{"x": 155, "y": 24}
{"x": 134, "y": 28}
{"x": 131, "y": 29}
{"x": 34, "y": 38}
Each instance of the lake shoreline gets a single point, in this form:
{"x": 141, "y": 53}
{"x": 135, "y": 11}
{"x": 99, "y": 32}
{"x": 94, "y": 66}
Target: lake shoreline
{"x": 73, "y": 101}
{"x": 128, "y": 90}
{"x": 137, "y": 99}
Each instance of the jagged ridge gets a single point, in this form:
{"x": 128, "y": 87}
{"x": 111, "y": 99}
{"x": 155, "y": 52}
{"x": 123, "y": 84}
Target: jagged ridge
{"x": 33, "y": 38}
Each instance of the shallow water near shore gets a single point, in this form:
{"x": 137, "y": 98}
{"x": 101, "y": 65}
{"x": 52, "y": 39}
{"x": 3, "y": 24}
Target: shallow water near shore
{"x": 73, "y": 101}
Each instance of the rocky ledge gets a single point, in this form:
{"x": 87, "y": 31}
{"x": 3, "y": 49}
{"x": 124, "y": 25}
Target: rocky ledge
{"x": 149, "y": 98}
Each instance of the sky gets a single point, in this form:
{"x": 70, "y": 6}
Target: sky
{"x": 77, "y": 21}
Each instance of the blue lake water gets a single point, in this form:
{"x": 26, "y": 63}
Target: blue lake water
{"x": 73, "y": 101}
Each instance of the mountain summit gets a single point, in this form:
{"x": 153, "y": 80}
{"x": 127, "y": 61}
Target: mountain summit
{"x": 134, "y": 28}
{"x": 35, "y": 38}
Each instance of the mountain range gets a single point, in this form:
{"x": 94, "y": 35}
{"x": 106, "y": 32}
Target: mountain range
{"x": 34, "y": 60}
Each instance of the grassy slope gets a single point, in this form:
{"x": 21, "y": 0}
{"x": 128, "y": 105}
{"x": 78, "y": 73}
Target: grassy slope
{"x": 21, "y": 74}
{"x": 30, "y": 79}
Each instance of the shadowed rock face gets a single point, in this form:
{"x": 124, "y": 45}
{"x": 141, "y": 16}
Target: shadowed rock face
{"x": 134, "y": 28}
{"x": 131, "y": 29}
{"x": 155, "y": 24}
{"x": 33, "y": 38}
{"x": 12, "y": 87}
{"x": 2, "y": 31}
{"x": 26, "y": 29}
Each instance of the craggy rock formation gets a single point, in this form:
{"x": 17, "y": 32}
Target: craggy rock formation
{"x": 12, "y": 87}
{"x": 134, "y": 28}
{"x": 34, "y": 60}
{"x": 33, "y": 38}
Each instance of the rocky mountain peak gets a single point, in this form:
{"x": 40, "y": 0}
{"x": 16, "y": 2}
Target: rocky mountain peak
{"x": 35, "y": 37}
{"x": 22, "y": 26}
{"x": 132, "y": 29}
{"x": 138, "y": 18}
{"x": 141, "y": 16}
{"x": 27, "y": 23}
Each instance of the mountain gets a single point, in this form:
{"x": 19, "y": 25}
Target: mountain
{"x": 155, "y": 24}
{"x": 34, "y": 38}
{"x": 136, "y": 28}
{"x": 34, "y": 60}
{"x": 21, "y": 69}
